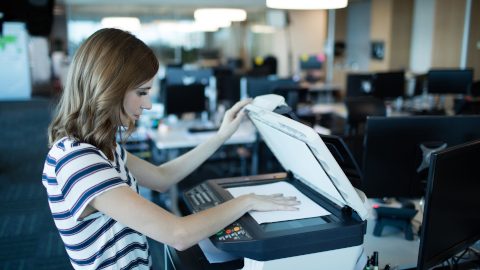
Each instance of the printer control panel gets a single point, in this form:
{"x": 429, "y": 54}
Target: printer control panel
{"x": 232, "y": 232}
{"x": 201, "y": 198}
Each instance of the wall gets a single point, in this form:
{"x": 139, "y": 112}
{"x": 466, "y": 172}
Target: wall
{"x": 448, "y": 33}
{"x": 392, "y": 24}
{"x": 422, "y": 36}
{"x": 473, "y": 53}
{"x": 381, "y": 28}
{"x": 306, "y": 33}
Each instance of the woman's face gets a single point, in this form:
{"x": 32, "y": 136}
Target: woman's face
{"x": 136, "y": 100}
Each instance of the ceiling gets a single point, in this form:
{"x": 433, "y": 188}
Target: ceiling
{"x": 245, "y": 4}
{"x": 154, "y": 9}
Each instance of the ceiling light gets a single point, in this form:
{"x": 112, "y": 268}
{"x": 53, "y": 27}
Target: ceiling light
{"x": 222, "y": 14}
{"x": 185, "y": 26}
{"x": 262, "y": 29}
{"x": 307, "y": 4}
{"x": 130, "y": 24}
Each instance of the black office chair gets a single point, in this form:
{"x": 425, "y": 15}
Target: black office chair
{"x": 469, "y": 104}
{"x": 359, "y": 108}
{"x": 475, "y": 89}
{"x": 420, "y": 84}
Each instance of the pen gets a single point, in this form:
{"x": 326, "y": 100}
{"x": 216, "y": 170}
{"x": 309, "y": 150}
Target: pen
{"x": 375, "y": 260}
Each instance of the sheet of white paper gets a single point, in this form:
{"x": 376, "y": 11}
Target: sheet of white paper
{"x": 307, "y": 208}
{"x": 213, "y": 254}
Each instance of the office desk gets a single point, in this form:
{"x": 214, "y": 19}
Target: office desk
{"x": 340, "y": 109}
{"x": 327, "y": 90}
{"x": 176, "y": 136}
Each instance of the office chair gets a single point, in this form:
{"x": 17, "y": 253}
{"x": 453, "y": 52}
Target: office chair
{"x": 475, "y": 89}
{"x": 359, "y": 108}
{"x": 469, "y": 104}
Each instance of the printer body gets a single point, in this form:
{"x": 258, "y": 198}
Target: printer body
{"x": 334, "y": 240}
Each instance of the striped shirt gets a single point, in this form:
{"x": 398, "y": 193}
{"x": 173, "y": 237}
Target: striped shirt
{"x": 74, "y": 174}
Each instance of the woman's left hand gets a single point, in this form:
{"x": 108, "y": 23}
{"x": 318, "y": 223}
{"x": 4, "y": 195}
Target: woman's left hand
{"x": 232, "y": 119}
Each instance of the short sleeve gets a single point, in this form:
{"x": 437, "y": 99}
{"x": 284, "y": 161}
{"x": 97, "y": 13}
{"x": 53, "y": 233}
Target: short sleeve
{"x": 82, "y": 174}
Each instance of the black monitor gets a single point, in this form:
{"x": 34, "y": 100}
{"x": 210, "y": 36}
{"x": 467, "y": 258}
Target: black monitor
{"x": 257, "y": 86}
{"x": 393, "y": 163}
{"x": 228, "y": 85}
{"x": 389, "y": 84}
{"x": 179, "y": 99}
{"x": 177, "y": 76}
{"x": 359, "y": 85}
{"x": 449, "y": 81}
{"x": 451, "y": 222}
{"x": 264, "y": 66}
{"x": 314, "y": 61}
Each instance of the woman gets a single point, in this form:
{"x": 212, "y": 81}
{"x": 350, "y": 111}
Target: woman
{"x": 92, "y": 182}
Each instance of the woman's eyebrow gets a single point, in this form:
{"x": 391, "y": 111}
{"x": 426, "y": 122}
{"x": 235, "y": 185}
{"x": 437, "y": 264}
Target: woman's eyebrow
{"x": 144, "y": 88}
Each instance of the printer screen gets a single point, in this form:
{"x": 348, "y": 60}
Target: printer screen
{"x": 293, "y": 224}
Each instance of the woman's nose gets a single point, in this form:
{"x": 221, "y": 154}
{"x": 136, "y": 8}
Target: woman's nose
{"x": 147, "y": 103}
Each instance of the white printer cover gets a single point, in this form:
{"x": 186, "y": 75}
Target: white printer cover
{"x": 300, "y": 150}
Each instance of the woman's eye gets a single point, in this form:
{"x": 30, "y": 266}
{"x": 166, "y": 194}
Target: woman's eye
{"x": 142, "y": 93}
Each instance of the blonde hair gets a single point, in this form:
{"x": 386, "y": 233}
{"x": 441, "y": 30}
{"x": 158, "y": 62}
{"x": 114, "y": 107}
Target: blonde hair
{"x": 107, "y": 65}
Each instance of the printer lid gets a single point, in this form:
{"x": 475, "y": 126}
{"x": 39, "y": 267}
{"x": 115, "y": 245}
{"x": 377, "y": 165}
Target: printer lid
{"x": 300, "y": 150}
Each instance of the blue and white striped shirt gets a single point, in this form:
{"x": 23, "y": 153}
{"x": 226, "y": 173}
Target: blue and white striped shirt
{"x": 74, "y": 174}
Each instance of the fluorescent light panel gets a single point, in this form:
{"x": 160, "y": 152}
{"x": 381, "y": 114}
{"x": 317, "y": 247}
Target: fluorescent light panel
{"x": 307, "y": 4}
{"x": 125, "y": 23}
{"x": 220, "y": 14}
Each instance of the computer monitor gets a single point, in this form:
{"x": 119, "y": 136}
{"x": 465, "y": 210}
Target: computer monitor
{"x": 264, "y": 66}
{"x": 359, "y": 85}
{"x": 396, "y": 150}
{"x": 179, "y": 99}
{"x": 257, "y": 86}
{"x": 451, "y": 222}
{"x": 228, "y": 86}
{"x": 313, "y": 61}
{"x": 389, "y": 84}
{"x": 449, "y": 81}
{"x": 177, "y": 76}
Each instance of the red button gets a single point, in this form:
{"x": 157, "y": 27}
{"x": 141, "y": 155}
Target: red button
{"x": 228, "y": 231}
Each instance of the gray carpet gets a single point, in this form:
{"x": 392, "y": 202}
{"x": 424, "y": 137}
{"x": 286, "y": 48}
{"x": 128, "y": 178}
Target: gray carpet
{"x": 28, "y": 237}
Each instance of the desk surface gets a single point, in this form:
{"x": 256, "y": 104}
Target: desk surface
{"x": 341, "y": 110}
{"x": 177, "y": 135}
{"x": 320, "y": 86}
{"x": 392, "y": 247}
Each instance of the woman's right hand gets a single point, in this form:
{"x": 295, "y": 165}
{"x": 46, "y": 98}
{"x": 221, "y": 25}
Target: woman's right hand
{"x": 274, "y": 202}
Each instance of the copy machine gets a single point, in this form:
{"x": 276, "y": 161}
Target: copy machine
{"x": 332, "y": 240}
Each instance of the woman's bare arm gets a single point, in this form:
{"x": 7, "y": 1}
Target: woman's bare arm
{"x": 132, "y": 210}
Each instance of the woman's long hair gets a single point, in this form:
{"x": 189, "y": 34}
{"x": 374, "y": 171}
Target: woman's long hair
{"x": 107, "y": 65}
